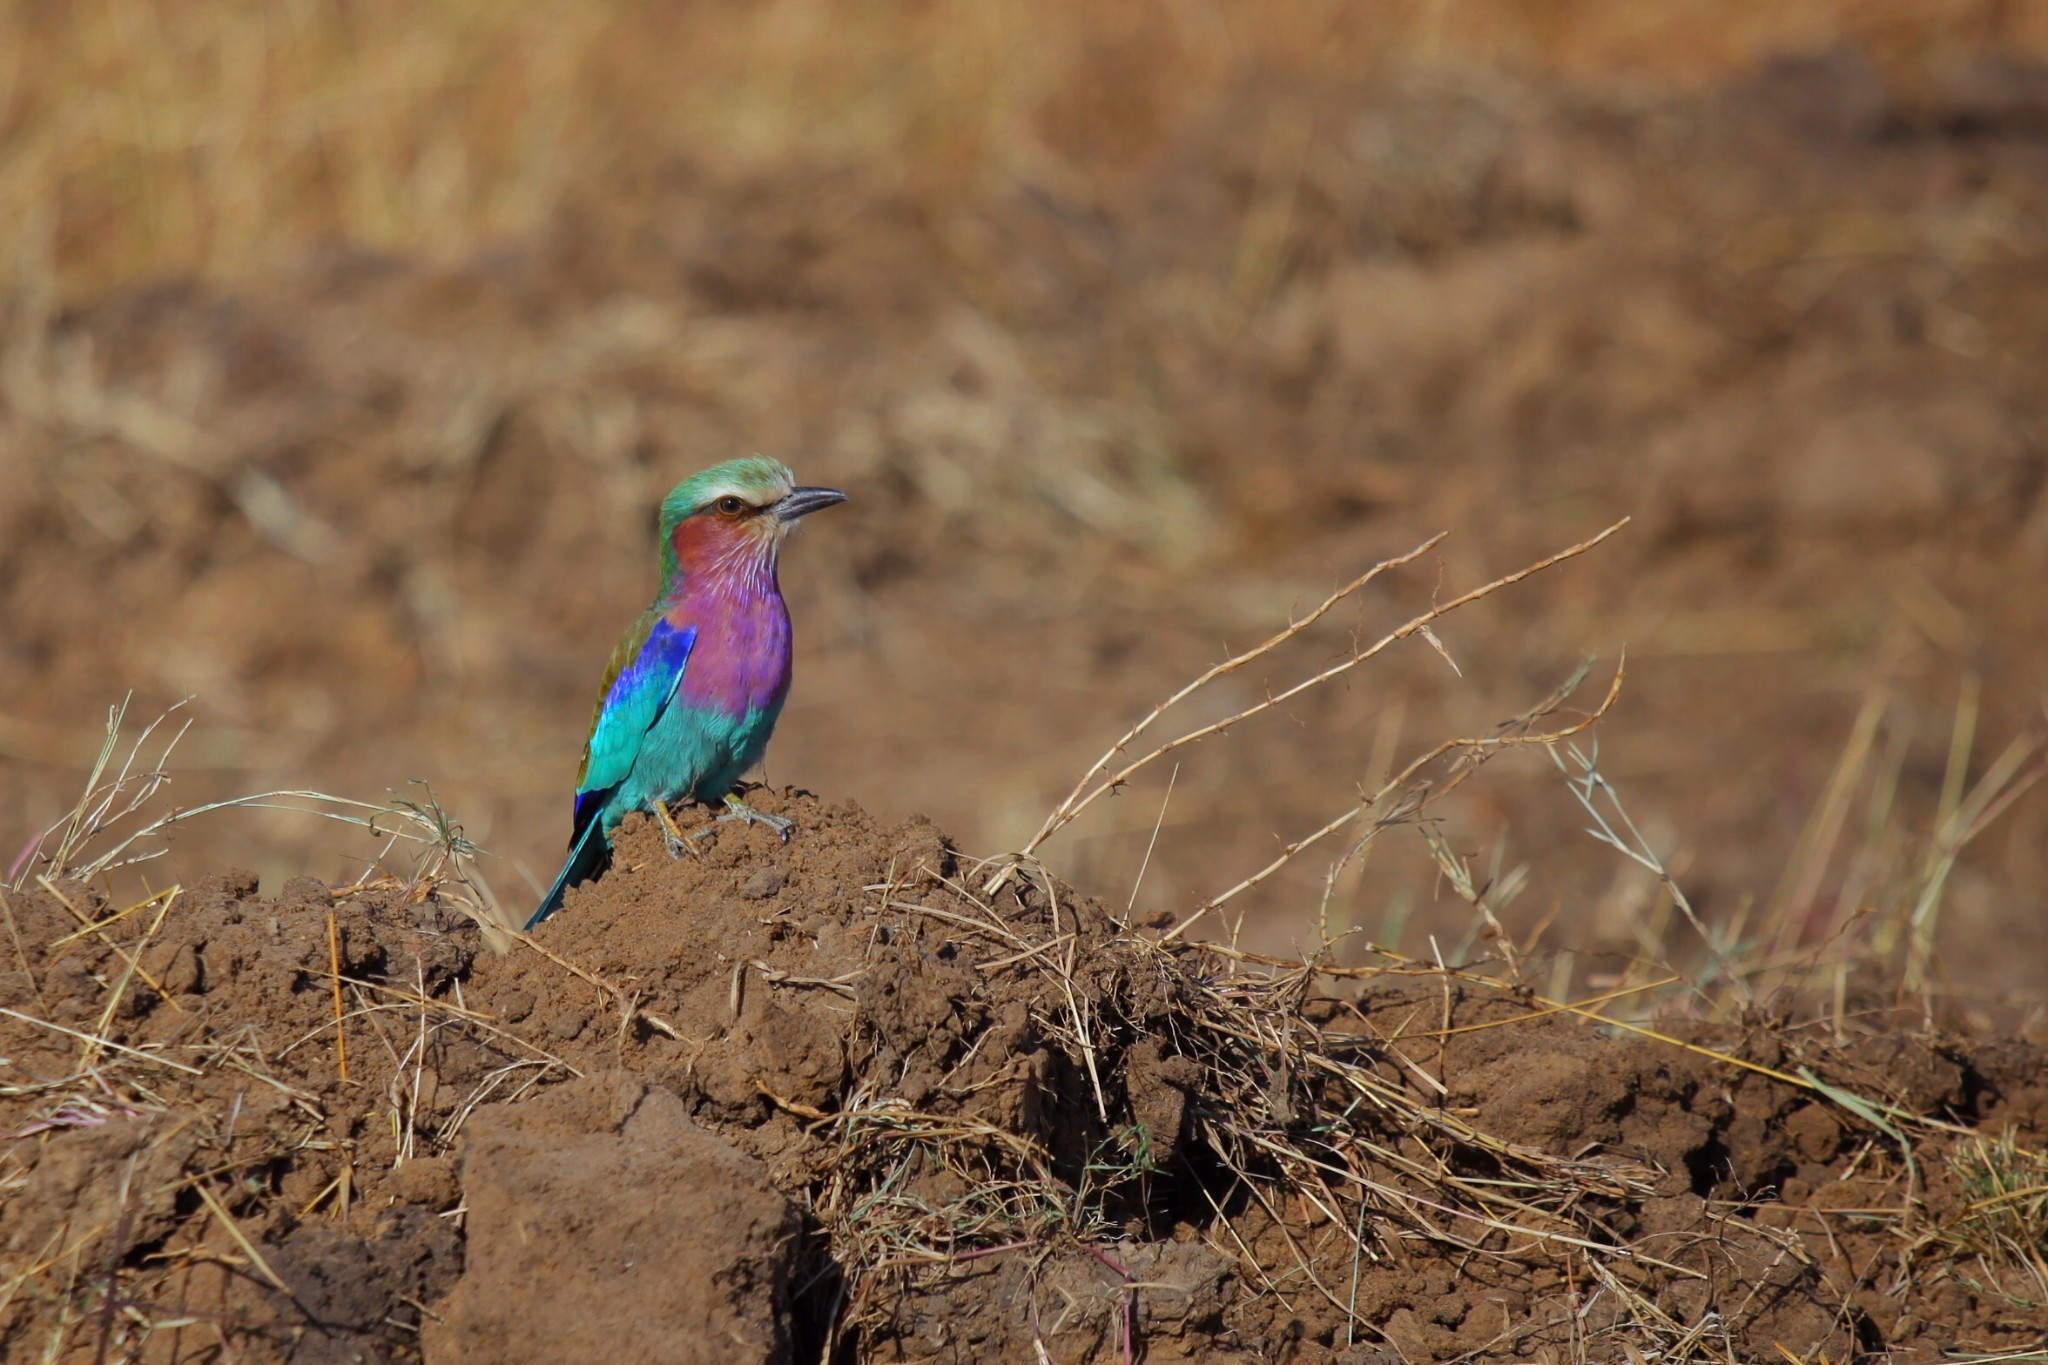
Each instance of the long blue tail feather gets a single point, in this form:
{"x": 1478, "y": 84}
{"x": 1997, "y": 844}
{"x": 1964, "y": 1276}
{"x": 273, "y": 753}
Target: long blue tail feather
{"x": 587, "y": 857}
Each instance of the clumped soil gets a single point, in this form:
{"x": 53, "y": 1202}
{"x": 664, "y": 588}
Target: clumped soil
{"x": 805, "y": 1100}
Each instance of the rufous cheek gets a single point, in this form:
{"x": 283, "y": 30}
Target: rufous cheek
{"x": 702, "y": 540}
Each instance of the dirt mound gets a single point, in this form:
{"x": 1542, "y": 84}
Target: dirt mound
{"x": 835, "y": 1099}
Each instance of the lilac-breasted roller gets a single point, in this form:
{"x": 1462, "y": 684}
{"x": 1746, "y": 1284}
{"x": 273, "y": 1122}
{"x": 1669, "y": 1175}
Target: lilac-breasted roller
{"x": 694, "y": 690}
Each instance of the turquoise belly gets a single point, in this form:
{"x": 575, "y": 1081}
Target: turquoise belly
{"x": 692, "y": 755}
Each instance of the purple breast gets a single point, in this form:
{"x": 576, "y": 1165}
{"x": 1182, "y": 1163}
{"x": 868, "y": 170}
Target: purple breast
{"x": 740, "y": 663}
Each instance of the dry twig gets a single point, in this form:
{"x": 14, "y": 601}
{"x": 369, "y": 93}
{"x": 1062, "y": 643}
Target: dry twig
{"x": 1093, "y": 784}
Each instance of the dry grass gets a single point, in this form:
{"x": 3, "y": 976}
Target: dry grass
{"x": 2003, "y": 1223}
{"x": 93, "y": 1294}
{"x": 1301, "y": 1111}
{"x": 140, "y": 140}
{"x": 112, "y": 829}
{"x": 1098, "y": 781}
{"x": 1327, "y": 1131}
{"x": 1865, "y": 889}
{"x": 144, "y": 138}
{"x": 1324, "y": 1126}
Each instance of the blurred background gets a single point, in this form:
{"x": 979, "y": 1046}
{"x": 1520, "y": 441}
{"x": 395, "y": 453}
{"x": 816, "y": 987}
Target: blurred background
{"x": 345, "y": 349}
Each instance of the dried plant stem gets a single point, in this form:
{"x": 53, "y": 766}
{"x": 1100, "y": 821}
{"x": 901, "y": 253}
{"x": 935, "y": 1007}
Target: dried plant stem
{"x": 1093, "y": 785}
{"x": 605, "y": 989}
{"x": 1472, "y": 750}
{"x": 1621, "y": 834}
{"x": 241, "y": 1238}
{"x": 95, "y": 810}
{"x": 334, "y": 975}
{"x": 1964, "y": 815}
{"x": 87, "y": 925}
{"x": 99, "y": 1042}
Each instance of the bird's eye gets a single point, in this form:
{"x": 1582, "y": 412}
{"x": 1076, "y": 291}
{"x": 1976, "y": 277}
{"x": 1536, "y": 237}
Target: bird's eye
{"x": 730, "y": 506}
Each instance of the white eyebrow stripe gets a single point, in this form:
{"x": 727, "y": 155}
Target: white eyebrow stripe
{"x": 750, "y": 493}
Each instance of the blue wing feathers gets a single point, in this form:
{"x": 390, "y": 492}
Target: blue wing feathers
{"x": 634, "y": 701}
{"x": 643, "y": 686}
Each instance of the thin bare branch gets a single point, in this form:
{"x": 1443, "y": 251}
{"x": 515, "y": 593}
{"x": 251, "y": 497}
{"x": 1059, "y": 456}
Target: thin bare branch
{"x": 1472, "y": 752}
{"x": 1093, "y": 785}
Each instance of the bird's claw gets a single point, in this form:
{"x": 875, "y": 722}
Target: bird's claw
{"x": 677, "y": 842}
{"x": 736, "y": 809}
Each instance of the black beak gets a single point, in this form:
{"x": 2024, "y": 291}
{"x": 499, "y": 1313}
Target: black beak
{"x": 801, "y": 502}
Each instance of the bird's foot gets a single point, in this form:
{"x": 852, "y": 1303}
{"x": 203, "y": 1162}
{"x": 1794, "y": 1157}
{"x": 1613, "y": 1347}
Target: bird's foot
{"x": 678, "y": 842}
{"x": 736, "y": 809}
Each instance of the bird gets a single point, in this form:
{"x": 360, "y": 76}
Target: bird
{"x": 695, "y": 687}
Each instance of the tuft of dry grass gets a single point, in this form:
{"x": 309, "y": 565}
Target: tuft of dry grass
{"x": 1466, "y": 754}
{"x": 111, "y": 829}
{"x": 1867, "y": 883}
{"x": 1300, "y": 1111}
{"x": 2003, "y": 1223}
{"x": 1319, "y": 1123}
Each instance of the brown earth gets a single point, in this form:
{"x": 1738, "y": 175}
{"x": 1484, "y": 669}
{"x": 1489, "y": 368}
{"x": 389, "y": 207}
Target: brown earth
{"x": 1125, "y": 359}
{"x": 382, "y": 517}
{"x": 728, "y": 1108}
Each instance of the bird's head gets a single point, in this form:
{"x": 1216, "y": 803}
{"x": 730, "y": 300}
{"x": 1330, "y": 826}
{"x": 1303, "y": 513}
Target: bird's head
{"x": 732, "y": 518}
